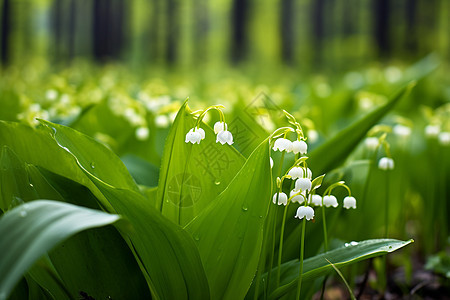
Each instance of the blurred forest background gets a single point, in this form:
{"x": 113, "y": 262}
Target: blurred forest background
{"x": 307, "y": 35}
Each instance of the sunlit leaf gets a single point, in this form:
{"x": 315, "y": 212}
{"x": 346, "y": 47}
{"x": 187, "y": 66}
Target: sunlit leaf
{"x": 228, "y": 233}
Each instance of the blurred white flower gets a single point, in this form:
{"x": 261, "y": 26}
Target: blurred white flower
{"x": 282, "y": 198}
{"x": 303, "y": 184}
{"x": 282, "y": 144}
{"x": 305, "y": 212}
{"x": 402, "y": 130}
{"x": 386, "y": 163}
{"x": 224, "y": 137}
{"x": 271, "y": 162}
{"x": 444, "y": 138}
{"x": 142, "y": 133}
{"x": 349, "y": 202}
{"x": 371, "y": 143}
{"x": 330, "y": 200}
{"x": 51, "y": 94}
{"x": 432, "y": 131}
{"x": 162, "y": 121}
{"x": 313, "y": 135}
{"x": 299, "y": 147}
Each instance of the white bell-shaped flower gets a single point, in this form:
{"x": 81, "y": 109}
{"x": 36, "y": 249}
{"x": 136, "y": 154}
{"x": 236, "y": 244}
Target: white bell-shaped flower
{"x": 402, "y": 130}
{"x": 282, "y": 144}
{"x": 297, "y": 198}
{"x": 224, "y": 137}
{"x": 219, "y": 126}
{"x": 432, "y": 131}
{"x": 330, "y": 200}
{"x": 195, "y": 136}
{"x": 386, "y": 163}
{"x": 142, "y": 133}
{"x": 349, "y": 202}
{"x": 282, "y": 198}
{"x": 299, "y": 147}
{"x": 316, "y": 200}
{"x": 372, "y": 143}
{"x": 299, "y": 172}
{"x": 303, "y": 184}
{"x": 305, "y": 212}
{"x": 444, "y": 138}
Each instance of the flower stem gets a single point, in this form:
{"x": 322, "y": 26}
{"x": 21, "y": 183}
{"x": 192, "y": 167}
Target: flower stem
{"x": 280, "y": 248}
{"x": 386, "y": 206}
{"x": 274, "y": 224}
{"x": 302, "y": 247}
{"x": 325, "y": 234}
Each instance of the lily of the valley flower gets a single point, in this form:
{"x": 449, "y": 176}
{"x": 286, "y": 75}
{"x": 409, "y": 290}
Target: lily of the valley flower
{"x": 219, "y": 126}
{"x": 432, "y": 131}
{"x": 444, "y": 138}
{"x": 195, "y": 135}
{"x": 316, "y": 200}
{"x": 305, "y": 212}
{"x": 299, "y": 172}
{"x": 349, "y": 202}
{"x": 282, "y": 144}
{"x": 303, "y": 184}
{"x": 330, "y": 200}
{"x": 271, "y": 162}
{"x": 224, "y": 137}
{"x": 297, "y": 198}
{"x": 372, "y": 143}
{"x": 386, "y": 163}
{"x": 402, "y": 130}
{"x": 282, "y": 198}
{"x": 299, "y": 147}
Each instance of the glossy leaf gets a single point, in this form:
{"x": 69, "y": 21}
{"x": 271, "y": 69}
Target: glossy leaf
{"x": 334, "y": 152}
{"x": 229, "y": 232}
{"x": 30, "y": 230}
{"x": 165, "y": 252}
{"x": 193, "y": 174}
{"x": 317, "y": 266}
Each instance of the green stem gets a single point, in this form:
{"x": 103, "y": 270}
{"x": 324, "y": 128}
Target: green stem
{"x": 302, "y": 247}
{"x": 386, "y": 206}
{"x": 325, "y": 234}
{"x": 274, "y": 224}
{"x": 280, "y": 248}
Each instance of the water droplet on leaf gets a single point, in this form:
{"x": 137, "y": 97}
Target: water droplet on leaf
{"x": 217, "y": 182}
{"x": 93, "y": 165}
{"x": 244, "y": 208}
{"x": 23, "y": 213}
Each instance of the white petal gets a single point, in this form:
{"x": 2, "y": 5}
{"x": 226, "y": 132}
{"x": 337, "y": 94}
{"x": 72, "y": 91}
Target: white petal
{"x": 386, "y": 163}
{"x": 349, "y": 202}
{"x": 218, "y": 127}
{"x": 303, "y": 184}
{"x": 299, "y": 147}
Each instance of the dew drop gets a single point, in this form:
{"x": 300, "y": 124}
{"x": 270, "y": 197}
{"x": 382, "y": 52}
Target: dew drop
{"x": 216, "y": 182}
{"x": 197, "y": 238}
{"x": 31, "y": 185}
{"x": 353, "y": 243}
{"x": 93, "y": 165}
{"x": 244, "y": 208}
{"x": 23, "y": 213}
{"x": 346, "y": 244}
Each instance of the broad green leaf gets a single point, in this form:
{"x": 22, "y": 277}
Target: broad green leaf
{"x": 30, "y": 230}
{"x": 317, "y": 266}
{"x": 334, "y": 152}
{"x": 38, "y": 147}
{"x": 143, "y": 172}
{"x": 192, "y": 175}
{"x": 228, "y": 232}
{"x": 104, "y": 264}
{"x": 165, "y": 252}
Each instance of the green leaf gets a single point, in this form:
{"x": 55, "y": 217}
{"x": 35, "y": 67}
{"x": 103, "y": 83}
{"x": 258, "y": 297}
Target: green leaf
{"x": 229, "y": 232}
{"x": 32, "y": 229}
{"x": 165, "y": 252}
{"x": 192, "y": 175}
{"x": 334, "y": 152}
{"x": 318, "y": 265}
{"x": 143, "y": 172}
